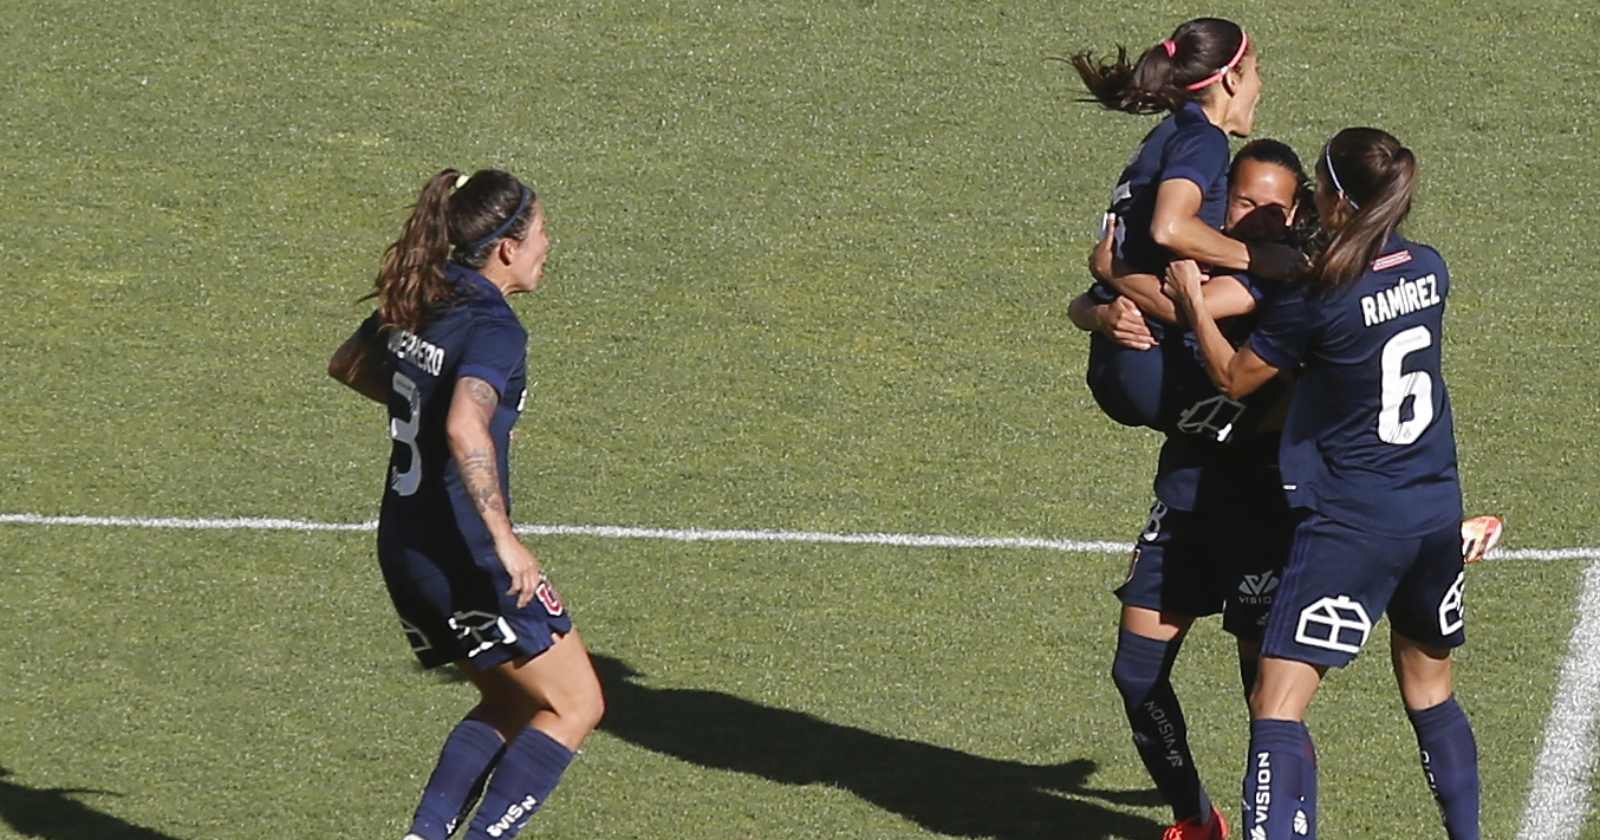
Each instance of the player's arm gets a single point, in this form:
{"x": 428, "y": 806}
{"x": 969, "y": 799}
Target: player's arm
{"x": 1144, "y": 290}
{"x": 467, "y": 430}
{"x": 1176, "y": 225}
{"x": 359, "y": 364}
{"x": 1236, "y": 373}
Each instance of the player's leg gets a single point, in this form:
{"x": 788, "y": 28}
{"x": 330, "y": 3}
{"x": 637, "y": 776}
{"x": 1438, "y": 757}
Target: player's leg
{"x": 545, "y": 707}
{"x": 1427, "y": 622}
{"x": 1334, "y": 588}
{"x": 1168, "y": 585}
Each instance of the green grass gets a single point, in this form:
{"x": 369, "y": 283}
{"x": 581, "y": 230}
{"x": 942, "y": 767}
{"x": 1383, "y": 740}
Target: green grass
{"x": 811, "y": 268}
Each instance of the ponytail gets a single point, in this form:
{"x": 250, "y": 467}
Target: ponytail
{"x": 1178, "y": 69}
{"x": 460, "y": 226}
{"x": 411, "y": 280}
{"x": 1378, "y": 178}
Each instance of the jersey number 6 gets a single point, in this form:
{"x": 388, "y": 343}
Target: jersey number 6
{"x": 406, "y": 483}
{"x": 1397, "y": 387}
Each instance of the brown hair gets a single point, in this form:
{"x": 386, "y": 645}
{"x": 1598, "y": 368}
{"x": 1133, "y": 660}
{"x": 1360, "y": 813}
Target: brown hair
{"x": 1378, "y": 176}
{"x": 448, "y": 224}
{"x": 1161, "y": 78}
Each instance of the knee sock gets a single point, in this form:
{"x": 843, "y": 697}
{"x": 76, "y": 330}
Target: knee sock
{"x": 1280, "y": 782}
{"x": 1450, "y": 762}
{"x": 468, "y": 755}
{"x": 1142, "y": 671}
{"x": 529, "y": 771}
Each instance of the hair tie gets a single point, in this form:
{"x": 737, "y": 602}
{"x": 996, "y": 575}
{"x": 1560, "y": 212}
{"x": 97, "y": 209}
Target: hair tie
{"x": 1170, "y": 47}
{"x": 1244, "y": 44}
{"x": 462, "y": 179}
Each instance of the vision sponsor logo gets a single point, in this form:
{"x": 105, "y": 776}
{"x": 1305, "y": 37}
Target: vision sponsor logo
{"x": 1261, "y": 806}
{"x": 1166, "y": 731}
{"x": 1256, "y": 590}
{"x": 513, "y": 816}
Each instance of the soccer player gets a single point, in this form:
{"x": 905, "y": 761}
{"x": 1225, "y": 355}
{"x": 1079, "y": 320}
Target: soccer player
{"x": 1368, "y": 457}
{"x": 1219, "y": 531}
{"x": 447, "y": 355}
{"x": 1172, "y": 195}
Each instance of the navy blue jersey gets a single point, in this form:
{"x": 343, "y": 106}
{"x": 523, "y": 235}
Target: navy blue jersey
{"x": 1369, "y": 440}
{"x": 425, "y": 506}
{"x": 1184, "y": 145}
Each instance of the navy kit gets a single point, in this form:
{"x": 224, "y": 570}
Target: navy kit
{"x": 1369, "y": 451}
{"x": 1129, "y": 384}
{"x": 438, "y": 558}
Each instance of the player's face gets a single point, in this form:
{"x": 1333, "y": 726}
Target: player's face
{"x": 1246, "y": 84}
{"x": 528, "y": 259}
{"x": 1261, "y": 200}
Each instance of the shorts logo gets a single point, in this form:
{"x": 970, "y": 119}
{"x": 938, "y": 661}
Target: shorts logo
{"x": 1339, "y": 624}
{"x": 1152, "y": 526}
{"x": 484, "y": 629}
{"x": 1214, "y": 418}
{"x": 549, "y": 597}
{"x": 1453, "y": 610}
{"x": 1256, "y": 590}
{"x": 418, "y": 639}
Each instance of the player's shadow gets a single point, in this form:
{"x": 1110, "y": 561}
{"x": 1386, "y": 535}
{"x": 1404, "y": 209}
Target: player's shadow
{"x": 943, "y": 790}
{"x": 53, "y": 814}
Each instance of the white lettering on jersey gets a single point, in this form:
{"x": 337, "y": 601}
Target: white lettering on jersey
{"x": 405, "y": 344}
{"x": 1406, "y": 297}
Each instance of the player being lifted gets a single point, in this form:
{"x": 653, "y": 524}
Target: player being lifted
{"x": 447, "y": 355}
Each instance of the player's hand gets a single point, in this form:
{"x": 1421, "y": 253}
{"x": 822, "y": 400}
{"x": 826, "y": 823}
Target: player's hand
{"x": 1101, "y": 259}
{"x": 1122, "y": 322}
{"x": 1184, "y": 283}
{"x": 522, "y": 566}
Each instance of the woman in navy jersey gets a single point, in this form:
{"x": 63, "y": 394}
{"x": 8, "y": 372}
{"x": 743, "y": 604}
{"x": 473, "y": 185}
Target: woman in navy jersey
{"x": 447, "y": 355}
{"x": 1170, "y": 198}
{"x": 1368, "y": 459}
{"x": 1218, "y": 534}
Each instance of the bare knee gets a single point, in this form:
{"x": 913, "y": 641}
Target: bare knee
{"x": 1423, "y": 673}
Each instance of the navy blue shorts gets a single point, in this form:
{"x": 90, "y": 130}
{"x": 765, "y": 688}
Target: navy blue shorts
{"x": 1340, "y": 581}
{"x": 1199, "y": 564}
{"x": 457, "y": 610}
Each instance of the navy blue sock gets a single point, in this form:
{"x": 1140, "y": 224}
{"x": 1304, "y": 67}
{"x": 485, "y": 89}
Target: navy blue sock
{"x": 1450, "y": 762}
{"x": 1280, "y": 782}
{"x": 1142, "y": 671}
{"x": 464, "y": 764}
{"x": 530, "y": 769}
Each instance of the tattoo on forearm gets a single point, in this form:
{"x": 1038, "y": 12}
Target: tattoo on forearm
{"x": 481, "y": 477}
{"x": 480, "y": 392}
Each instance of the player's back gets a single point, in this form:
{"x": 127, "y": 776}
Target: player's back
{"x": 1370, "y": 439}
{"x": 475, "y": 334}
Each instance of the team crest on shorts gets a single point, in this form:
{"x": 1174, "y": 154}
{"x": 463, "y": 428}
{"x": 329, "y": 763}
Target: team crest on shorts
{"x": 546, "y": 592}
{"x": 1339, "y": 624}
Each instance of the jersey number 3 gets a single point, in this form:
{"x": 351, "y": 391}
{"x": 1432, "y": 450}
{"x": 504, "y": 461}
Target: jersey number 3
{"x": 1398, "y": 386}
{"x": 406, "y": 483}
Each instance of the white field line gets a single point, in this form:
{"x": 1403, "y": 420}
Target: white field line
{"x": 1558, "y": 800}
{"x": 620, "y": 532}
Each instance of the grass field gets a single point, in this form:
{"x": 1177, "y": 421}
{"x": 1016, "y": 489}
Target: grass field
{"x": 811, "y": 269}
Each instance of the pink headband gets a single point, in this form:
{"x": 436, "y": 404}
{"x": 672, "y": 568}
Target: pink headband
{"x": 1171, "y": 48}
{"x": 1244, "y": 44}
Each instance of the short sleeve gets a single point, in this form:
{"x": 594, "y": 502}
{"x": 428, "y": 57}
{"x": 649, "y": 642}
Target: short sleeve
{"x": 494, "y": 350}
{"x": 1285, "y": 329}
{"x": 1200, "y": 155}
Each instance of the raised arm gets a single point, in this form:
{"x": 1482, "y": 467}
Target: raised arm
{"x": 359, "y": 364}
{"x": 472, "y": 447}
{"x": 1176, "y": 226}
